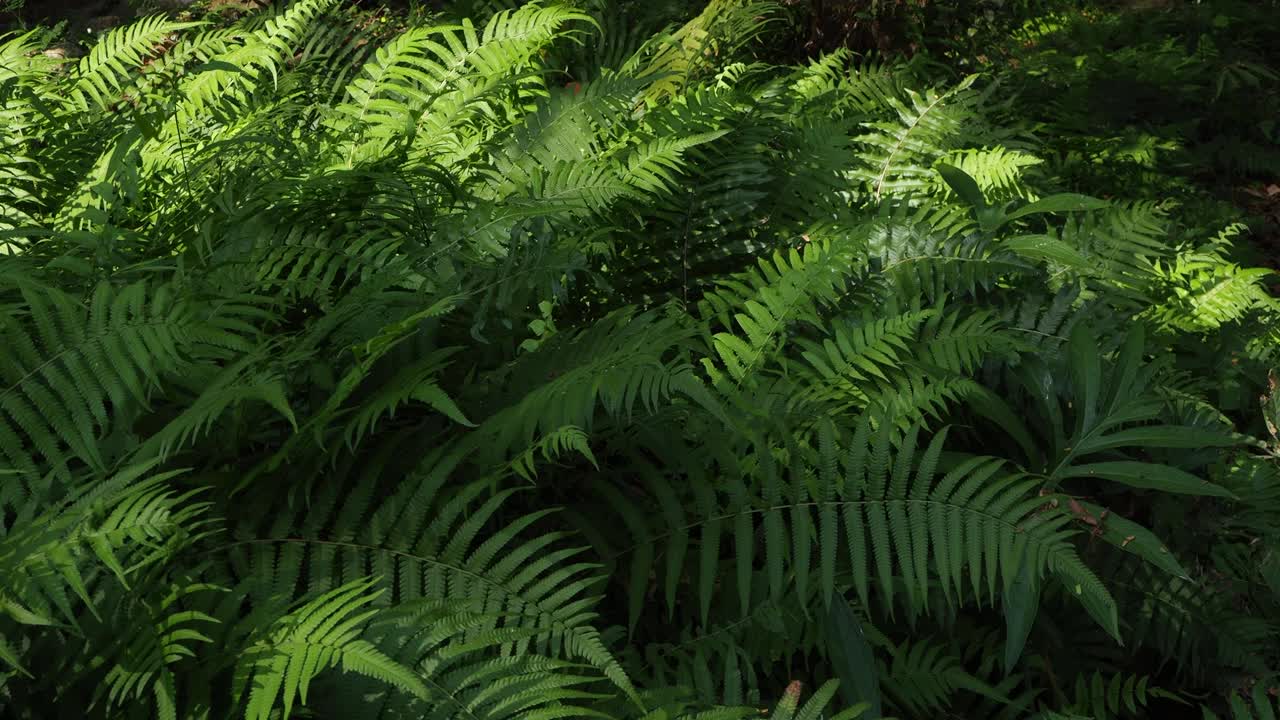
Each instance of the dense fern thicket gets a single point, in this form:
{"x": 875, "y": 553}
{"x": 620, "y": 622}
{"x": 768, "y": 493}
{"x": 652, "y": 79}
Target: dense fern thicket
{"x": 532, "y": 365}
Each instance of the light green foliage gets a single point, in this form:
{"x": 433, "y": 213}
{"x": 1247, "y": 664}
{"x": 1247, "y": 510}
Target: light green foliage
{"x": 521, "y": 367}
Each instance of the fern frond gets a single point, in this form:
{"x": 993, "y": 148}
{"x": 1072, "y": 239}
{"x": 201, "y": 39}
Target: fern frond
{"x": 68, "y": 362}
{"x": 900, "y": 152}
{"x": 163, "y": 637}
{"x": 428, "y": 545}
{"x": 718, "y": 31}
{"x": 323, "y": 633}
{"x": 999, "y": 172}
{"x": 965, "y": 532}
{"x": 622, "y": 360}
{"x": 1121, "y": 696}
{"x": 113, "y": 60}
{"x": 923, "y": 677}
{"x": 123, "y": 524}
{"x": 765, "y": 302}
{"x": 919, "y": 260}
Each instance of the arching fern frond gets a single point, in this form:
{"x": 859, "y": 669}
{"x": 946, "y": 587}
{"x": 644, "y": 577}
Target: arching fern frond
{"x": 67, "y": 363}
{"x": 901, "y": 152}
{"x": 116, "y": 58}
{"x": 897, "y": 525}
{"x": 429, "y": 544}
{"x": 323, "y": 633}
{"x": 766, "y": 301}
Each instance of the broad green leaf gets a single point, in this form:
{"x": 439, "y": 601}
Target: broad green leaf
{"x": 1086, "y": 375}
{"x": 1062, "y": 202}
{"x": 1134, "y": 538}
{"x": 1151, "y": 476}
{"x": 1021, "y": 601}
{"x": 852, "y": 658}
{"x": 963, "y": 184}
{"x": 1164, "y": 436}
{"x": 991, "y": 406}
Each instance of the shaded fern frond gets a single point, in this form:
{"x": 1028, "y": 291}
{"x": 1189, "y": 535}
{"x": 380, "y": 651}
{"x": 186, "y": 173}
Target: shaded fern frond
{"x": 430, "y": 545}
{"x": 67, "y": 364}
{"x": 1121, "y": 696}
{"x": 888, "y": 522}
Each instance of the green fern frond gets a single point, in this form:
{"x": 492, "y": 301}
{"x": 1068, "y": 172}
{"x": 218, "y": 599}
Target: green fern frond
{"x": 919, "y": 260}
{"x": 320, "y": 634}
{"x": 922, "y": 678}
{"x": 999, "y": 171}
{"x": 629, "y": 359}
{"x": 900, "y": 153}
{"x": 113, "y": 60}
{"x": 897, "y": 524}
{"x": 123, "y": 524}
{"x": 68, "y": 362}
{"x": 414, "y": 382}
{"x": 1121, "y": 696}
{"x": 718, "y": 31}
{"x": 765, "y": 302}
{"x": 1205, "y": 291}
{"x": 162, "y": 637}
{"x": 429, "y": 546}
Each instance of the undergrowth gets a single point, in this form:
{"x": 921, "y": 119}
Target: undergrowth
{"x": 536, "y": 363}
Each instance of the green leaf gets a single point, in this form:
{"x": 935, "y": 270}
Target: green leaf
{"x": 1136, "y": 539}
{"x": 963, "y": 184}
{"x": 1021, "y": 601}
{"x": 991, "y": 406}
{"x": 1086, "y": 374}
{"x": 1062, "y": 202}
{"x": 1150, "y": 476}
{"x": 1050, "y": 248}
{"x": 1164, "y": 436}
{"x": 852, "y": 658}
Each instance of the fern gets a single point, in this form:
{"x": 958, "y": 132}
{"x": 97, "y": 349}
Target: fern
{"x": 100, "y": 75}
{"x": 68, "y": 363}
{"x": 514, "y": 361}
{"x": 900, "y": 151}
{"x": 1258, "y": 706}
{"x": 318, "y": 635}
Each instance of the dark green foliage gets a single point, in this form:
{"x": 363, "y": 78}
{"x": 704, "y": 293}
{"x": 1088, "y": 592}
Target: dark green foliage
{"x": 533, "y": 367}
